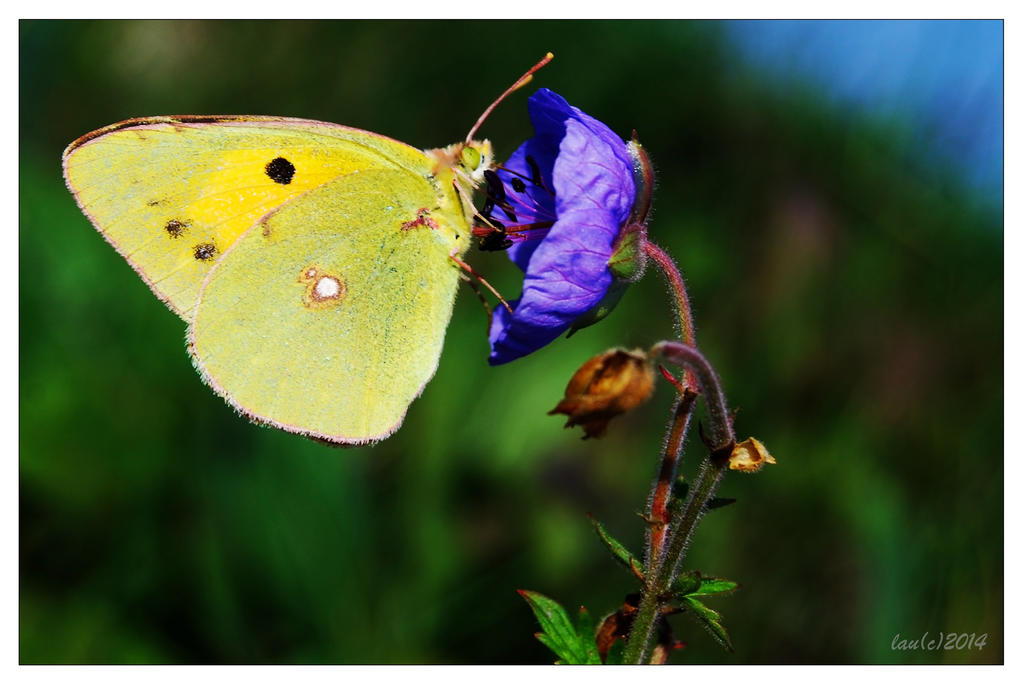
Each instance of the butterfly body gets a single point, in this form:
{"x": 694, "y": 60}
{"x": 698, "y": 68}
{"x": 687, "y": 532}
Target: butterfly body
{"x": 310, "y": 260}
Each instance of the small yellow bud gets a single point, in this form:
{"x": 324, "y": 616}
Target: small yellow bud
{"x": 749, "y": 456}
{"x": 606, "y": 386}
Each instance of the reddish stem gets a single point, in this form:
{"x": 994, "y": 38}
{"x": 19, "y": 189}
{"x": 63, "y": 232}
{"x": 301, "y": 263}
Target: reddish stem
{"x": 662, "y": 569}
{"x": 662, "y": 493}
{"x": 684, "y": 318}
{"x": 658, "y": 514}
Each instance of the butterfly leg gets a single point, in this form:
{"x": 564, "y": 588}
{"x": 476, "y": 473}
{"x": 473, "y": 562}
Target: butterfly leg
{"x": 454, "y": 257}
{"x": 480, "y": 296}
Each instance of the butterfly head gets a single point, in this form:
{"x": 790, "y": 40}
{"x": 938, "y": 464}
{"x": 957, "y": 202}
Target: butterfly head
{"x": 474, "y": 158}
{"x": 467, "y": 161}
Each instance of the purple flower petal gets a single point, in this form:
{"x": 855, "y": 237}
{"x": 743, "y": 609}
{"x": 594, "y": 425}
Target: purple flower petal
{"x": 537, "y": 202}
{"x": 593, "y": 171}
{"x": 590, "y": 171}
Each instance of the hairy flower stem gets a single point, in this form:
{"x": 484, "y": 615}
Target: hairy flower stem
{"x": 684, "y": 318}
{"x": 711, "y": 473}
{"x": 657, "y": 505}
{"x": 662, "y": 570}
{"x": 720, "y": 425}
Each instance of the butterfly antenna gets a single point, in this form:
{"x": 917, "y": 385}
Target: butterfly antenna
{"x": 523, "y": 80}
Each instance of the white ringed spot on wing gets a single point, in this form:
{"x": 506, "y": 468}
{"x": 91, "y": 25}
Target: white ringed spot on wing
{"x": 322, "y": 288}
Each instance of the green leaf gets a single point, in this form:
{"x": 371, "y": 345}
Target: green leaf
{"x": 710, "y": 585}
{"x": 687, "y": 583}
{"x": 615, "y": 653}
{"x": 696, "y": 584}
{"x": 572, "y": 646}
{"x": 691, "y": 585}
{"x": 557, "y": 631}
{"x": 587, "y": 634}
{"x": 619, "y": 551}
{"x": 709, "y": 619}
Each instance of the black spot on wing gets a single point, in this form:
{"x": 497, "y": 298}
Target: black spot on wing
{"x": 280, "y": 170}
{"x": 204, "y": 251}
{"x": 175, "y": 228}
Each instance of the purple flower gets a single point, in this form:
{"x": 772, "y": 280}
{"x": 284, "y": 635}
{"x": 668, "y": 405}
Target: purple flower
{"x": 566, "y": 193}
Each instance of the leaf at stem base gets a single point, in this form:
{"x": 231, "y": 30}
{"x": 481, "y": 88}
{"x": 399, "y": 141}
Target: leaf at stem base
{"x": 574, "y": 645}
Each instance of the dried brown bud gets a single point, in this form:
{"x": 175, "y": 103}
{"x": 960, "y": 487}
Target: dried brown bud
{"x": 749, "y": 456}
{"x": 616, "y": 627}
{"x": 605, "y": 386}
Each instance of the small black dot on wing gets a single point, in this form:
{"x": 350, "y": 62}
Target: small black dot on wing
{"x": 280, "y": 170}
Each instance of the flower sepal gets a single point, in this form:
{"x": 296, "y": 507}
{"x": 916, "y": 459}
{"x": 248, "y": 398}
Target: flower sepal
{"x": 643, "y": 181}
{"x": 629, "y": 260}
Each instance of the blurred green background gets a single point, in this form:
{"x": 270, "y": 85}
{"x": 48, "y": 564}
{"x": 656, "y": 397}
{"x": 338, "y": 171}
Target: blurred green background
{"x": 847, "y": 286}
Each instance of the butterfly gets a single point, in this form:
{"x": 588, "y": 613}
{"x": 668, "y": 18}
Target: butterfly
{"x": 315, "y": 264}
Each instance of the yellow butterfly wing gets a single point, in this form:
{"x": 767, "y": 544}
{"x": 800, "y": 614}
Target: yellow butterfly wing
{"x": 327, "y": 317}
{"x": 172, "y": 194}
{"x": 310, "y": 259}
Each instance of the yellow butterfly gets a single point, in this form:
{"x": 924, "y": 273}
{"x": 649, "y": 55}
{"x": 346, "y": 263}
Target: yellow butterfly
{"x": 315, "y": 264}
